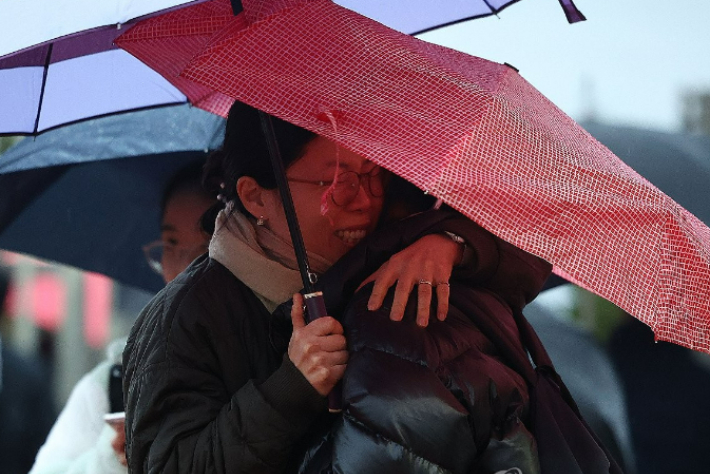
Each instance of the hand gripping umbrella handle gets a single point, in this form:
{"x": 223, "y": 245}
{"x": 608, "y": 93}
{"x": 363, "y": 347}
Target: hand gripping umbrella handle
{"x": 315, "y": 308}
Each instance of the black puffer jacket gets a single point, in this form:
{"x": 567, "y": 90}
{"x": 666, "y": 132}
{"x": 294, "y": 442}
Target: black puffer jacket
{"x": 474, "y": 394}
{"x": 437, "y": 399}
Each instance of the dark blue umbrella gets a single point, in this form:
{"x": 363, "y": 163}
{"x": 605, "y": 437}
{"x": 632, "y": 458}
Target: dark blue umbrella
{"x": 88, "y": 195}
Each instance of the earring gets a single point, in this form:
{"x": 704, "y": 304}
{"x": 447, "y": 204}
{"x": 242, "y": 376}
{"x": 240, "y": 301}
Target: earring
{"x": 261, "y": 221}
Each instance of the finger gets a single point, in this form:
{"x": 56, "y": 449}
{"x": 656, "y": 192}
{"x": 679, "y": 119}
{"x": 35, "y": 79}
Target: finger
{"x": 424, "y": 292}
{"x": 297, "y": 318}
{"x": 324, "y": 326}
{"x": 337, "y": 372}
{"x": 401, "y": 295}
{"x": 333, "y": 343}
{"x": 383, "y": 282}
{"x": 334, "y": 359}
{"x": 442, "y": 297}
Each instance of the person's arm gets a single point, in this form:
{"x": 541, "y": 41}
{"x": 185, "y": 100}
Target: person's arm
{"x": 475, "y": 257}
{"x": 80, "y": 442}
{"x": 181, "y": 416}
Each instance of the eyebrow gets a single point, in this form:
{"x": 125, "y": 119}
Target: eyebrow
{"x": 166, "y": 227}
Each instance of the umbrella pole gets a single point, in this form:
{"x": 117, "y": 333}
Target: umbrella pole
{"x": 315, "y": 305}
{"x": 308, "y": 277}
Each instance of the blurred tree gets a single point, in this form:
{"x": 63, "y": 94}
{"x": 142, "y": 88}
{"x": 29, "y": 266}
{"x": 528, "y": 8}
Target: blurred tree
{"x": 696, "y": 112}
{"x": 7, "y": 142}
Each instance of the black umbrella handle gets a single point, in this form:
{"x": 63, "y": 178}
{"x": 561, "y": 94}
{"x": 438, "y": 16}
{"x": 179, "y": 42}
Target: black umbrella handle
{"x": 315, "y": 308}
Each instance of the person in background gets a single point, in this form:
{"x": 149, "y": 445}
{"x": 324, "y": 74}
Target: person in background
{"x": 80, "y": 440}
{"x": 26, "y": 410}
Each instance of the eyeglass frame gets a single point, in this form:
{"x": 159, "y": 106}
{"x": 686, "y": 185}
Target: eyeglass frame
{"x": 360, "y": 176}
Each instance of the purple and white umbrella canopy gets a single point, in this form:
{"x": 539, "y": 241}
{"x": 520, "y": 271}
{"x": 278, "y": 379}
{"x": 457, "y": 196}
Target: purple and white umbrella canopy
{"x": 58, "y": 63}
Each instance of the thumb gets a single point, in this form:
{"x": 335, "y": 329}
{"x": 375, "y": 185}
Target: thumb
{"x": 297, "y": 318}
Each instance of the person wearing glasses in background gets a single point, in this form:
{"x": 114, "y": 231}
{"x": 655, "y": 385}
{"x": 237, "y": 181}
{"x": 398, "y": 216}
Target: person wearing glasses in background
{"x": 81, "y": 441}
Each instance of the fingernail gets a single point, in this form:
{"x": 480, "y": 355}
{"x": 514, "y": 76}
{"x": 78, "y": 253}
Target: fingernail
{"x": 422, "y": 322}
{"x": 441, "y": 316}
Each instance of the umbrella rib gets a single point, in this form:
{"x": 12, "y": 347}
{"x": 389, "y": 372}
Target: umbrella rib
{"x": 44, "y": 84}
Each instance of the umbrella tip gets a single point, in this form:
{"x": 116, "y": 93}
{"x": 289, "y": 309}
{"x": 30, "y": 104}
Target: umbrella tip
{"x": 512, "y": 67}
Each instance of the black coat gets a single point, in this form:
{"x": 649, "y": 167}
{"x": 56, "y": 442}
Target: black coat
{"x": 205, "y": 390}
{"x": 26, "y": 410}
{"x": 437, "y": 399}
{"x": 477, "y": 393}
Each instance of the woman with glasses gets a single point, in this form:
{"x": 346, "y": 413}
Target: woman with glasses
{"x": 217, "y": 377}
{"x": 80, "y": 441}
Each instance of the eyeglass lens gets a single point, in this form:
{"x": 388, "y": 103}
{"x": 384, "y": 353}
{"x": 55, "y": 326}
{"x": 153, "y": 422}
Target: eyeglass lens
{"x": 347, "y": 185}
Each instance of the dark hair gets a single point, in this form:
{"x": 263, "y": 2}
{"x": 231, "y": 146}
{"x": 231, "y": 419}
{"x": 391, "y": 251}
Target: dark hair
{"x": 187, "y": 179}
{"x": 403, "y": 199}
{"x": 244, "y": 153}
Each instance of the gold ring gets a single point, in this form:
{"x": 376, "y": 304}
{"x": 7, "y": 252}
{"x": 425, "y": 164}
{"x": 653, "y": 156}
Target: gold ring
{"x": 443, "y": 283}
{"x": 425, "y": 282}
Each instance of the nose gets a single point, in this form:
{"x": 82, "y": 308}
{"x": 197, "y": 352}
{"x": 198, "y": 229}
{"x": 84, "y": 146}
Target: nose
{"x": 363, "y": 199}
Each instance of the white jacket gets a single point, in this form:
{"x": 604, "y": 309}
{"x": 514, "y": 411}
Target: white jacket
{"x": 80, "y": 440}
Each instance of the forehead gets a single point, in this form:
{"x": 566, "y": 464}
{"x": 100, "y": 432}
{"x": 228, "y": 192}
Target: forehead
{"x": 183, "y": 211}
{"x": 322, "y": 154}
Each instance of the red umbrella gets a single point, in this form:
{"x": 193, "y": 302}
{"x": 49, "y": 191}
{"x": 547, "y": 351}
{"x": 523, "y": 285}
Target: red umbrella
{"x": 477, "y": 135}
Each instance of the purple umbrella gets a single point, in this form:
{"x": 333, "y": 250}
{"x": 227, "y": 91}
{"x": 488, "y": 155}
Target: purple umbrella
{"x": 48, "y": 81}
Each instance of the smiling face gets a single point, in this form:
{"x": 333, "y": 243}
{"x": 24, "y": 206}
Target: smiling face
{"x": 342, "y": 227}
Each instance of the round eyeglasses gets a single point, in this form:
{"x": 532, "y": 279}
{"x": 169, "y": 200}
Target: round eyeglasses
{"x": 347, "y": 185}
{"x": 156, "y": 251}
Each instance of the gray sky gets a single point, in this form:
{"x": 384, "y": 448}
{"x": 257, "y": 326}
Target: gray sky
{"x": 629, "y": 63}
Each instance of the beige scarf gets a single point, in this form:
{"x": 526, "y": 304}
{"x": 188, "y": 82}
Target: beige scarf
{"x": 260, "y": 259}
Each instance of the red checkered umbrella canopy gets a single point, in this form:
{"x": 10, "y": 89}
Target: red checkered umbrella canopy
{"x": 475, "y": 134}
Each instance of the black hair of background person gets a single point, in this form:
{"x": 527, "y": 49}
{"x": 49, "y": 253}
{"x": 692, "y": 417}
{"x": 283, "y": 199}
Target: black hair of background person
{"x": 26, "y": 403}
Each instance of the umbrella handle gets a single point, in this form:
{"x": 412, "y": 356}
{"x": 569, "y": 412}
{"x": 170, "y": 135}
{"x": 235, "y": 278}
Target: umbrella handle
{"x": 315, "y": 308}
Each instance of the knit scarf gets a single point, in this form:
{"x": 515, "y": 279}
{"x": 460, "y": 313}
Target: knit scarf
{"x": 260, "y": 259}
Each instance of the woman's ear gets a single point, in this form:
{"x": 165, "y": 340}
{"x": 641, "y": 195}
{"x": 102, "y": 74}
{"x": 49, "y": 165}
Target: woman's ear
{"x": 253, "y": 196}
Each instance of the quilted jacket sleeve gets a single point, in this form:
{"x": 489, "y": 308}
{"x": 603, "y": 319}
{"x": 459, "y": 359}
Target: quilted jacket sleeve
{"x": 193, "y": 405}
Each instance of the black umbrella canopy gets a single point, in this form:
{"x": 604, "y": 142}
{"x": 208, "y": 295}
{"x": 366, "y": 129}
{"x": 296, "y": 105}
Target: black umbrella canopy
{"x": 88, "y": 195}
